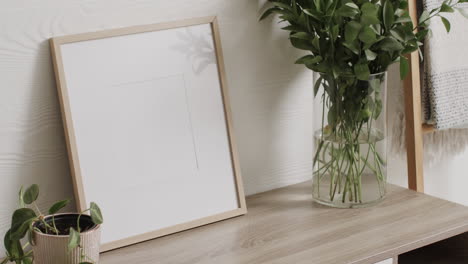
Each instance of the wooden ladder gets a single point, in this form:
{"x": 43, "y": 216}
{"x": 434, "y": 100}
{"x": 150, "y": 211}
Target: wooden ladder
{"x": 415, "y": 127}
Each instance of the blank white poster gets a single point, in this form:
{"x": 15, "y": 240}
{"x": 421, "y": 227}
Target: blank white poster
{"x": 150, "y": 128}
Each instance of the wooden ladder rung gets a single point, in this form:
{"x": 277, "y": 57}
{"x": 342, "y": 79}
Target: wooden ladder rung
{"x": 428, "y": 128}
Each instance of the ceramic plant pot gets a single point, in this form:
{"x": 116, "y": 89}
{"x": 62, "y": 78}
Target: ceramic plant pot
{"x": 53, "y": 249}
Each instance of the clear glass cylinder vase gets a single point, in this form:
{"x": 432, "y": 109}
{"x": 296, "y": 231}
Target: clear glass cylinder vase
{"x": 350, "y": 130}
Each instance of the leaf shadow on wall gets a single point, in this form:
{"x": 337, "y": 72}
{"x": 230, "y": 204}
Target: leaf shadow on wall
{"x": 197, "y": 48}
{"x": 271, "y": 100}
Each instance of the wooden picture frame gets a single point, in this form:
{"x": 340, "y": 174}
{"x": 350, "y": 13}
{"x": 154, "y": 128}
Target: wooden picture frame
{"x": 71, "y": 113}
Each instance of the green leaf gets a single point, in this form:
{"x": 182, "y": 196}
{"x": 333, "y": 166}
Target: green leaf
{"x": 312, "y": 13}
{"x": 334, "y": 32}
{"x": 22, "y": 204}
{"x": 369, "y": 9}
{"x": 301, "y": 44}
{"x": 404, "y": 67}
{"x": 446, "y": 8}
{"x": 388, "y": 14}
{"x": 352, "y": 5}
{"x": 58, "y": 206}
{"x": 364, "y": 114}
{"x": 367, "y": 35}
{"x": 348, "y": 10}
{"x": 353, "y": 46}
{"x": 13, "y": 247}
{"x": 378, "y": 108}
{"x": 405, "y": 18}
{"x": 20, "y": 222}
{"x": 22, "y": 230}
{"x": 31, "y": 194}
{"x": 370, "y": 55}
{"x": 424, "y": 18}
{"x": 282, "y": 5}
{"x": 269, "y": 12}
{"x": 422, "y": 34}
{"x": 7, "y": 242}
{"x": 375, "y": 85}
{"x": 74, "y": 239}
{"x": 86, "y": 263}
{"x": 316, "y": 43}
{"x": 317, "y": 85}
{"x": 30, "y": 235}
{"x": 369, "y": 14}
{"x": 398, "y": 34}
{"x": 96, "y": 214}
{"x": 301, "y": 35}
{"x": 332, "y": 116}
{"x": 352, "y": 30}
{"x": 403, "y": 4}
{"x": 362, "y": 71}
{"x": 292, "y": 28}
{"x": 309, "y": 59}
{"x": 390, "y": 44}
{"x": 446, "y": 23}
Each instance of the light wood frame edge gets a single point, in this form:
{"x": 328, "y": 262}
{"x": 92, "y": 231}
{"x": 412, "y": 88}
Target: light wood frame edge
{"x": 413, "y": 114}
{"x": 70, "y": 136}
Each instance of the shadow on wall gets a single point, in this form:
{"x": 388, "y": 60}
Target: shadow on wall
{"x": 271, "y": 100}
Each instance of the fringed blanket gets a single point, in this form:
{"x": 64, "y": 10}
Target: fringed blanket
{"x": 445, "y": 89}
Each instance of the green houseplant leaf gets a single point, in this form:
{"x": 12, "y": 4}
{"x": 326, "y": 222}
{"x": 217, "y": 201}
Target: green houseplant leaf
{"x": 446, "y": 23}
{"x": 390, "y": 44}
{"x": 96, "y": 214}
{"x": 21, "y": 202}
{"x": 13, "y": 247}
{"x": 446, "y": 8}
{"x": 309, "y": 59}
{"x": 369, "y": 14}
{"x": 74, "y": 239}
{"x": 388, "y": 14}
{"x": 367, "y": 35}
{"x": 352, "y": 30}
{"x": 58, "y": 206}
{"x": 21, "y": 220}
{"x": 362, "y": 71}
{"x": 31, "y": 194}
{"x": 404, "y": 67}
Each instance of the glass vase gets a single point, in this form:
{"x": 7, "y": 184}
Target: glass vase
{"x": 350, "y": 129}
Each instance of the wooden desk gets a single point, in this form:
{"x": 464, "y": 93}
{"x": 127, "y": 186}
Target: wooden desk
{"x": 285, "y": 226}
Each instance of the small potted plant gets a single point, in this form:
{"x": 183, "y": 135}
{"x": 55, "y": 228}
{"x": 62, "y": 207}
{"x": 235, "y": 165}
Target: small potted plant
{"x": 67, "y": 238}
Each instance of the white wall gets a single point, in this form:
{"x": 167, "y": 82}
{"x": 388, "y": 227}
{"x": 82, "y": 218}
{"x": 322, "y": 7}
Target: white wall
{"x": 270, "y": 95}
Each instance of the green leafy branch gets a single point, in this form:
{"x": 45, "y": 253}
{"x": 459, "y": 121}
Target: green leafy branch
{"x": 356, "y": 37}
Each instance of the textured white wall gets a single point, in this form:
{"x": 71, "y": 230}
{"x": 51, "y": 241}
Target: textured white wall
{"x": 270, "y": 95}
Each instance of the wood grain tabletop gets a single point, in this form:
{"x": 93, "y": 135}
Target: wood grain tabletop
{"x": 285, "y": 226}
